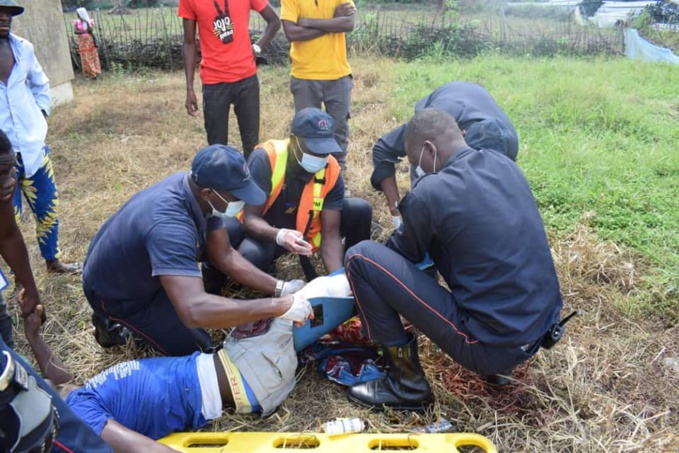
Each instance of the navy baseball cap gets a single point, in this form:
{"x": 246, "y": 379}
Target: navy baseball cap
{"x": 14, "y": 9}
{"x": 489, "y": 134}
{"x": 221, "y": 167}
{"x": 316, "y": 129}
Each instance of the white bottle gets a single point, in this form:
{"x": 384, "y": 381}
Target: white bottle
{"x": 343, "y": 426}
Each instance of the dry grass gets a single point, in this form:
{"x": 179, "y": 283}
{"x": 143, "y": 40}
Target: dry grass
{"x": 601, "y": 389}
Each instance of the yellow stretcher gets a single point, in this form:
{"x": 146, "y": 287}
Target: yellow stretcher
{"x": 261, "y": 442}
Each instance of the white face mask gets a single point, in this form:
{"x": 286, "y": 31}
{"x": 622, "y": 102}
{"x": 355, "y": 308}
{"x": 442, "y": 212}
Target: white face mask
{"x": 232, "y": 208}
{"x": 419, "y": 172}
{"x": 310, "y": 163}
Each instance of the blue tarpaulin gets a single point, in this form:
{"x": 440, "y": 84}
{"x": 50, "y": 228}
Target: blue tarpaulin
{"x": 637, "y": 48}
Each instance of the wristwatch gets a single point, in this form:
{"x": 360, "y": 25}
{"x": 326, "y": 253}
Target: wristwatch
{"x": 279, "y": 288}
{"x": 256, "y": 49}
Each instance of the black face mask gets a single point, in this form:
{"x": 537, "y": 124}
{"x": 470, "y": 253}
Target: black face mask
{"x": 28, "y": 421}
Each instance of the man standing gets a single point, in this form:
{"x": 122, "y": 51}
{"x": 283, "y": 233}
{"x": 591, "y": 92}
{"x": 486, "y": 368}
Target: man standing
{"x": 24, "y": 106}
{"x": 318, "y": 49}
{"x": 474, "y": 214}
{"x": 12, "y": 247}
{"x": 227, "y": 67}
{"x": 483, "y": 123}
{"x": 141, "y": 268}
{"x": 32, "y": 416}
{"x": 305, "y": 210}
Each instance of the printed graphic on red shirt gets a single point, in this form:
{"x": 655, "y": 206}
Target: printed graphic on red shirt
{"x": 223, "y": 26}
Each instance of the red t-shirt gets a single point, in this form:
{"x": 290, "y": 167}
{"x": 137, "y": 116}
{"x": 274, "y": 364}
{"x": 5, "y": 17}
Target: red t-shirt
{"x": 224, "y": 31}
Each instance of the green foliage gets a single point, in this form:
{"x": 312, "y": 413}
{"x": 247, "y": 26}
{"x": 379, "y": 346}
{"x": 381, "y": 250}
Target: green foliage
{"x": 598, "y": 145}
{"x": 538, "y": 12}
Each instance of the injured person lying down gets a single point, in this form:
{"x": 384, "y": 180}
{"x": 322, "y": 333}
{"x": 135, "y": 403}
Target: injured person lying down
{"x": 134, "y": 403}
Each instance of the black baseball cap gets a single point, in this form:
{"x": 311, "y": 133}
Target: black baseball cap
{"x": 316, "y": 129}
{"x": 221, "y": 167}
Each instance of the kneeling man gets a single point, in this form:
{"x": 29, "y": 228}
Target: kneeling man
{"x": 474, "y": 213}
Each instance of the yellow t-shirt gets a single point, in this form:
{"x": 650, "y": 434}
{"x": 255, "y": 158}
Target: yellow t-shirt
{"x": 322, "y": 58}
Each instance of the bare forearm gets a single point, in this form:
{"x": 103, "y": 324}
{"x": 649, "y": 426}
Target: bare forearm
{"x": 50, "y": 365}
{"x": 124, "y": 440}
{"x": 214, "y": 312}
{"x": 342, "y": 24}
{"x": 13, "y": 250}
{"x": 390, "y": 189}
{"x": 259, "y": 228}
{"x": 269, "y": 33}
{"x": 332, "y": 253}
{"x": 295, "y": 32}
{"x": 189, "y": 55}
{"x": 245, "y": 273}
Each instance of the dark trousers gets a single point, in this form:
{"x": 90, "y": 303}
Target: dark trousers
{"x": 356, "y": 218}
{"x": 385, "y": 284}
{"x": 336, "y": 96}
{"x": 152, "y": 320}
{"x": 217, "y": 101}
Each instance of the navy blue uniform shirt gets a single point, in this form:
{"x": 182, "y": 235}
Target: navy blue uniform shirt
{"x": 74, "y": 435}
{"x": 283, "y": 213}
{"x": 480, "y": 224}
{"x": 476, "y": 112}
{"x": 159, "y": 231}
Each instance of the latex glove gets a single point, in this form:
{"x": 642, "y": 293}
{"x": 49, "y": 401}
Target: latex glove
{"x": 396, "y": 220}
{"x": 335, "y": 286}
{"x": 299, "y": 311}
{"x": 293, "y": 241}
{"x": 292, "y": 287}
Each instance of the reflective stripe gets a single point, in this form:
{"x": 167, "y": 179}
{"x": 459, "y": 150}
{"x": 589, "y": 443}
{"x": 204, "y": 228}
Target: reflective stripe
{"x": 313, "y": 196}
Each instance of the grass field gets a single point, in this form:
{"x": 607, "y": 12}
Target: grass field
{"x": 598, "y": 145}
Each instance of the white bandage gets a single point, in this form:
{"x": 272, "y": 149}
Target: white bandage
{"x": 335, "y": 286}
{"x": 396, "y": 220}
{"x": 299, "y": 311}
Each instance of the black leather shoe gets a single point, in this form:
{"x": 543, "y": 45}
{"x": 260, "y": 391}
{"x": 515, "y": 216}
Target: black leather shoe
{"x": 499, "y": 379}
{"x": 109, "y": 334}
{"x": 404, "y": 387}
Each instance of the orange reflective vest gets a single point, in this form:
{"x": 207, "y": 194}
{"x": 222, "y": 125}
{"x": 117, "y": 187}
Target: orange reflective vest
{"x": 314, "y": 193}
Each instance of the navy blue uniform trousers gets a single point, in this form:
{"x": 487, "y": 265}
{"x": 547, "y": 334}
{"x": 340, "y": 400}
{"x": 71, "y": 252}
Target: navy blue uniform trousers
{"x": 355, "y": 223}
{"x": 385, "y": 284}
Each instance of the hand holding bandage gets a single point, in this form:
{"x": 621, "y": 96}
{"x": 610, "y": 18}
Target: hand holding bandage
{"x": 299, "y": 311}
{"x": 293, "y": 241}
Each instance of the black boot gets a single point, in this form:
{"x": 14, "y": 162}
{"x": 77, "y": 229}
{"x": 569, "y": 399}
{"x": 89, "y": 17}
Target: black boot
{"x": 499, "y": 379}
{"x": 403, "y": 388}
{"x": 109, "y": 334}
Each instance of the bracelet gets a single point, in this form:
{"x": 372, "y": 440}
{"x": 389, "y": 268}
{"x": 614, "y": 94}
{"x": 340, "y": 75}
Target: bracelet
{"x": 279, "y": 288}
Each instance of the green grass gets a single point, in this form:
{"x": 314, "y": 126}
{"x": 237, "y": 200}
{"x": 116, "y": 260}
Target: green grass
{"x": 598, "y": 145}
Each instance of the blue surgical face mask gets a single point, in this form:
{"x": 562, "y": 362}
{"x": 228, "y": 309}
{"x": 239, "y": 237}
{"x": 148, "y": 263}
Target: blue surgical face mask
{"x": 232, "y": 208}
{"x": 310, "y": 163}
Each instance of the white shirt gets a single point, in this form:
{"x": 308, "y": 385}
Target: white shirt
{"x": 26, "y": 93}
